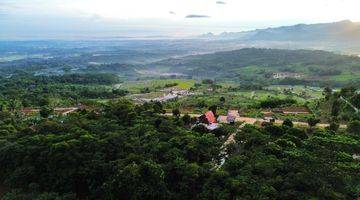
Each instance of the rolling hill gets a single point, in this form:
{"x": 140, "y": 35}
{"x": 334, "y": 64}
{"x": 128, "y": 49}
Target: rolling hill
{"x": 253, "y": 63}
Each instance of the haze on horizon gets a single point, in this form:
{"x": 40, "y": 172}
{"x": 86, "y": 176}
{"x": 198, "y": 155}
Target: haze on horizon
{"x": 73, "y": 19}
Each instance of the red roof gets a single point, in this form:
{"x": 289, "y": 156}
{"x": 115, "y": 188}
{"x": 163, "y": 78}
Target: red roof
{"x": 210, "y": 117}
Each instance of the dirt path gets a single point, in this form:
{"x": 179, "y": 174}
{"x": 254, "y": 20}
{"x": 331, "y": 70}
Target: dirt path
{"x": 249, "y": 120}
{"x": 63, "y": 111}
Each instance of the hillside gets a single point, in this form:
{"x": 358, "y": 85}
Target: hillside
{"x": 336, "y": 31}
{"x": 342, "y": 36}
{"x": 262, "y": 63}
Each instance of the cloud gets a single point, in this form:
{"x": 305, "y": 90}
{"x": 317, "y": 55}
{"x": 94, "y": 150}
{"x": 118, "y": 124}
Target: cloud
{"x": 221, "y": 2}
{"x": 8, "y": 5}
{"x": 95, "y": 17}
{"x": 197, "y": 16}
{"x": 172, "y": 13}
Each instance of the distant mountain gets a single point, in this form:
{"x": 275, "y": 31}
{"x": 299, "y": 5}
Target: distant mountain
{"x": 343, "y": 31}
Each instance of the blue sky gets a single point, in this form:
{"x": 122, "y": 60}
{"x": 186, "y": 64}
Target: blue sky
{"x": 67, "y": 19}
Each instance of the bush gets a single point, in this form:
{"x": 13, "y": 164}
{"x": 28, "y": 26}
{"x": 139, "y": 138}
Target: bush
{"x": 313, "y": 121}
{"x": 176, "y": 112}
{"x": 288, "y": 123}
{"x": 274, "y": 130}
{"x": 200, "y": 129}
{"x": 334, "y": 126}
{"x": 297, "y": 133}
{"x": 45, "y": 111}
{"x": 186, "y": 119}
{"x": 354, "y": 127}
{"x": 207, "y": 81}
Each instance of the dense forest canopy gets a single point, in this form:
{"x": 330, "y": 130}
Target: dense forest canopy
{"x": 35, "y": 91}
{"x": 131, "y": 152}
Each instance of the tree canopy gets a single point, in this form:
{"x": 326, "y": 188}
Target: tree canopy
{"x": 129, "y": 151}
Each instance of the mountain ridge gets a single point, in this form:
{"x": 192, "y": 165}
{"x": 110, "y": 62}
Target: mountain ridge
{"x": 340, "y": 31}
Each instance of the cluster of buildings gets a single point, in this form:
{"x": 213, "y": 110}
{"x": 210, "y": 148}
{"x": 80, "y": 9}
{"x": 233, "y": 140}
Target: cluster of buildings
{"x": 172, "y": 95}
{"x": 211, "y": 121}
{"x": 282, "y": 75}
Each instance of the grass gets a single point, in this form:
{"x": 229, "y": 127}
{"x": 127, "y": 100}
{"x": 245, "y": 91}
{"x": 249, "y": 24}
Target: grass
{"x": 311, "y": 92}
{"x": 346, "y": 77}
{"x": 250, "y": 69}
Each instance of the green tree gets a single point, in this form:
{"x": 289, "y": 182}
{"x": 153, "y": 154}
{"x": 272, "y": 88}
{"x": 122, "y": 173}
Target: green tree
{"x": 334, "y": 125}
{"x": 46, "y": 111}
{"x": 354, "y": 127}
{"x": 186, "y": 119}
{"x": 176, "y": 112}
{"x": 335, "y": 109}
{"x": 288, "y": 123}
{"x": 222, "y": 100}
{"x": 158, "y": 108}
{"x": 312, "y": 121}
{"x": 327, "y": 93}
{"x": 123, "y": 110}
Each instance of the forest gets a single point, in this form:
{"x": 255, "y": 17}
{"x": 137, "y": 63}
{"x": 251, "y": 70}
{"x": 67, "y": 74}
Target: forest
{"x": 133, "y": 152}
{"x": 125, "y": 120}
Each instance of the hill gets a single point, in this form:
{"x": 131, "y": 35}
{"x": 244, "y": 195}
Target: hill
{"x": 250, "y": 63}
{"x": 342, "y": 36}
{"x": 336, "y": 31}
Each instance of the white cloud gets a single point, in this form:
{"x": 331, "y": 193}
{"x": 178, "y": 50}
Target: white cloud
{"x": 254, "y": 10}
{"x": 114, "y": 16}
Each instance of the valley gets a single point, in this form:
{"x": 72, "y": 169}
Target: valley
{"x": 263, "y": 114}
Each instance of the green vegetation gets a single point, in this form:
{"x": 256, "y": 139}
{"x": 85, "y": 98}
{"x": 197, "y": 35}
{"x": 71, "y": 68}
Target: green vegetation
{"x": 158, "y": 84}
{"x": 77, "y": 124}
{"x": 258, "y": 65}
{"x": 29, "y": 91}
{"x": 133, "y": 152}
{"x": 338, "y": 105}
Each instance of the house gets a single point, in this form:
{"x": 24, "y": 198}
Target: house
{"x": 210, "y": 117}
{"x": 209, "y": 120}
{"x": 231, "y": 116}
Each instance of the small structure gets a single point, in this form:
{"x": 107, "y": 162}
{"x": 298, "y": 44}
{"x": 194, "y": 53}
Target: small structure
{"x": 210, "y": 117}
{"x": 167, "y": 97}
{"x": 209, "y": 121}
{"x": 231, "y": 116}
{"x": 282, "y": 75}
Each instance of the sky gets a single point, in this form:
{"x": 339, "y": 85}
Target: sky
{"x": 73, "y": 19}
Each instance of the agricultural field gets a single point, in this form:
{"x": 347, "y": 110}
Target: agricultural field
{"x": 248, "y": 102}
{"x": 255, "y": 103}
{"x": 304, "y": 92}
{"x": 135, "y": 87}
